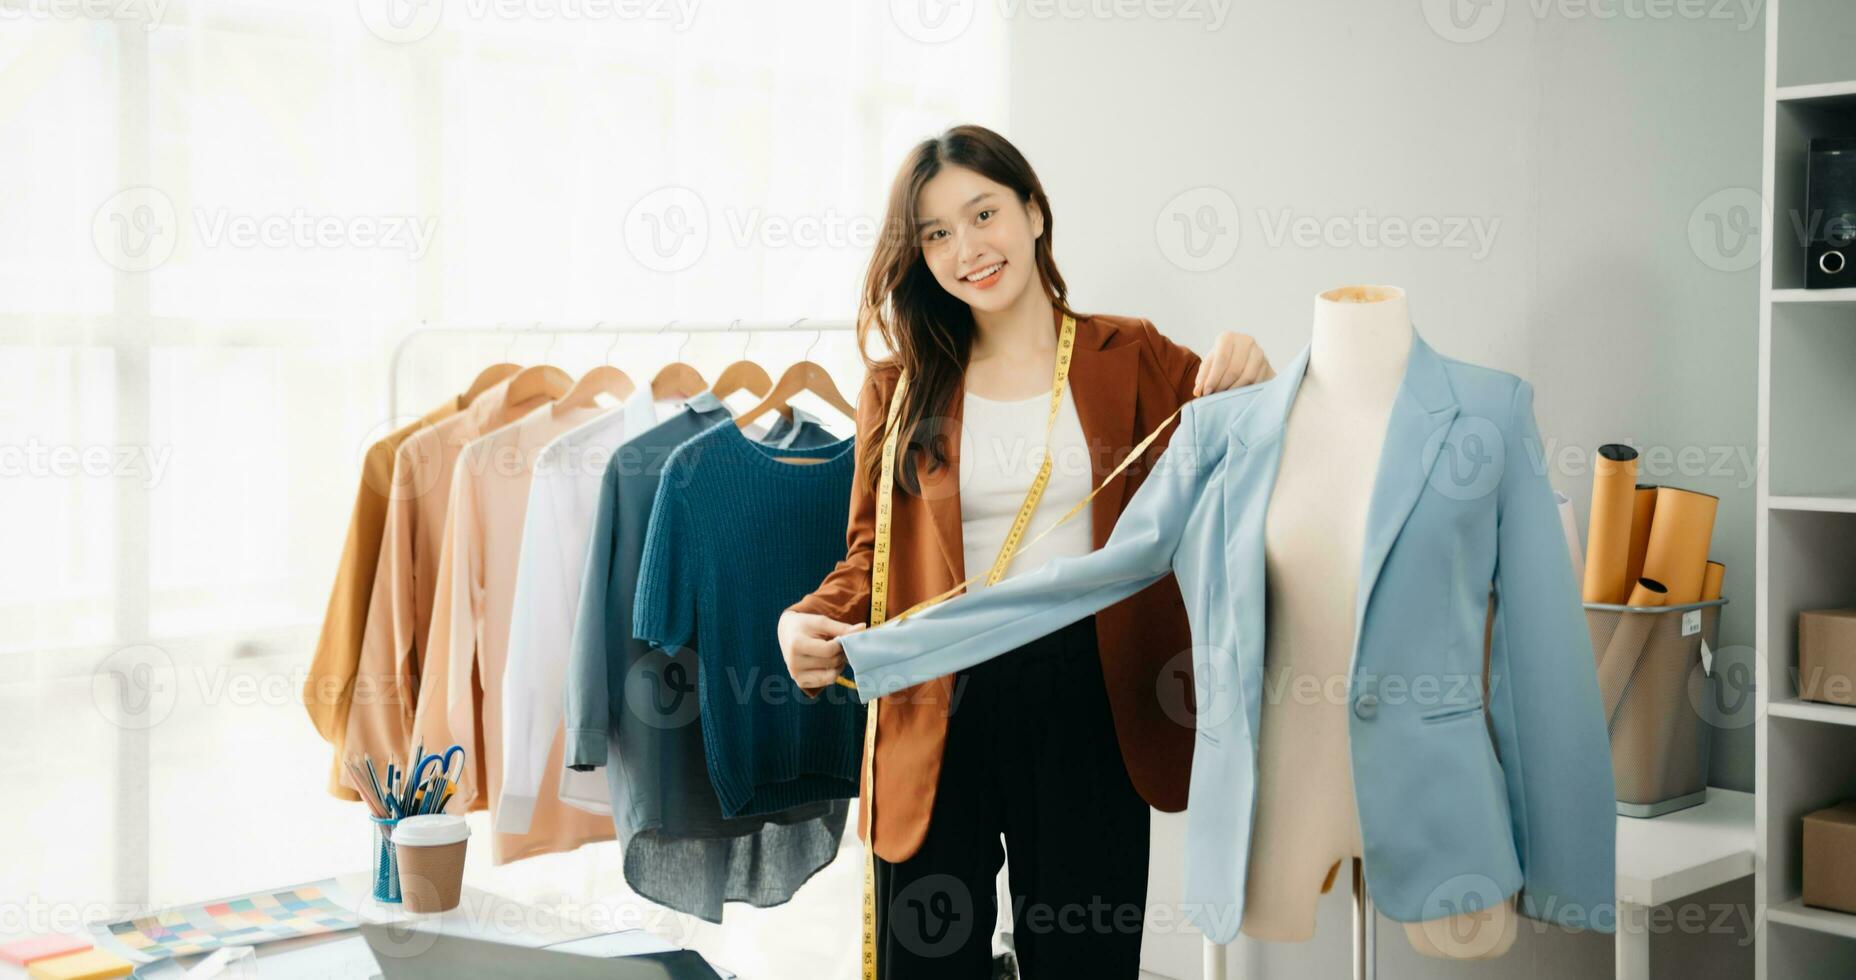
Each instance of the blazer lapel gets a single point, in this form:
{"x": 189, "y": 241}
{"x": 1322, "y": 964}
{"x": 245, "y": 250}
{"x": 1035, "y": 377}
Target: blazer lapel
{"x": 941, "y": 491}
{"x": 1423, "y": 410}
{"x": 1102, "y": 383}
{"x": 1255, "y": 451}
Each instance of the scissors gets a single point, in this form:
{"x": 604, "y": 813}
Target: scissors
{"x": 440, "y": 791}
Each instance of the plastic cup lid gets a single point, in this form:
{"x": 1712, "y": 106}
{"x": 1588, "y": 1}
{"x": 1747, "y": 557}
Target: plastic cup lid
{"x": 430, "y": 830}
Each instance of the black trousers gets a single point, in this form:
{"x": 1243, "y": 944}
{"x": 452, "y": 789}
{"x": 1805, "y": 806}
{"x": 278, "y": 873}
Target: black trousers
{"x": 1031, "y": 755}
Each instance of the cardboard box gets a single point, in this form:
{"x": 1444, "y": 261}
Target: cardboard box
{"x": 1827, "y": 655}
{"x": 1830, "y": 857}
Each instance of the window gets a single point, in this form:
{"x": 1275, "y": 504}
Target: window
{"x": 225, "y": 216}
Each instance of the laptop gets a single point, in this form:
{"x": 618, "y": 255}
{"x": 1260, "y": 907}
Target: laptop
{"x": 436, "y": 956}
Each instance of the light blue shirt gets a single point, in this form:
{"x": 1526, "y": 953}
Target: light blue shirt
{"x": 1451, "y": 823}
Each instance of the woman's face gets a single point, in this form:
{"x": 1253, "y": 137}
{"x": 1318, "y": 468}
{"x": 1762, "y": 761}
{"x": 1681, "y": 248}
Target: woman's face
{"x": 977, "y": 238}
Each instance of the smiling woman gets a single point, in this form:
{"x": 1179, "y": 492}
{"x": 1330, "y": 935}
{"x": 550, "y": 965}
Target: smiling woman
{"x": 964, "y": 289}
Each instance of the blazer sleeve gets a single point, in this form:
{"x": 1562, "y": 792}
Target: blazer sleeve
{"x": 975, "y": 627}
{"x": 386, "y": 675}
{"x": 1543, "y": 691}
{"x": 844, "y": 595}
{"x": 338, "y": 648}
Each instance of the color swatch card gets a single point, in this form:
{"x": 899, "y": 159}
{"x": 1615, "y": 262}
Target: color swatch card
{"x": 91, "y": 964}
{"x": 25, "y": 952}
{"x": 305, "y": 910}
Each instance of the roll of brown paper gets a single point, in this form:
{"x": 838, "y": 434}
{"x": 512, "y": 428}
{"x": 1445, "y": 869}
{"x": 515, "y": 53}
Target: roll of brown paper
{"x": 1711, "y": 581}
{"x": 1679, "y": 536}
{"x": 1626, "y": 647}
{"x": 1607, "y": 542}
{"x": 1643, "y": 510}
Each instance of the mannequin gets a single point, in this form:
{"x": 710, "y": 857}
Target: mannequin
{"x": 1306, "y": 823}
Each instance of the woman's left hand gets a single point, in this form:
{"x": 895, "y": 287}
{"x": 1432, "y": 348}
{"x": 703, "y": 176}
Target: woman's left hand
{"x": 1236, "y": 360}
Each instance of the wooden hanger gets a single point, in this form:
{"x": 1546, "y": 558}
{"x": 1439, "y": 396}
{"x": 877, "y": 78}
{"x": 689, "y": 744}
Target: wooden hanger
{"x": 602, "y": 380}
{"x": 803, "y": 376}
{"x": 743, "y": 375}
{"x": 676, "y": 381}
{"x": 540, "y": 381}
{"x": 487, "y": 379}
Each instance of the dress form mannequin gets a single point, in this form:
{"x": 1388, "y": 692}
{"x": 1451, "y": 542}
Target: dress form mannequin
{"x": 1314, "y": 535}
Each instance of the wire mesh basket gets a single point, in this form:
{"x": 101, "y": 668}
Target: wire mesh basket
{"x": 1659, "y": 737}
{"x": 386, "y": 861}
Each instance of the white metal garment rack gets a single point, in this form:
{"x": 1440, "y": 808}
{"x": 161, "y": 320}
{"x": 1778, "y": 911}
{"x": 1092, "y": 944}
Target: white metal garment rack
{"x": 1365, "y": 937}
{"x": 555, "y": 331}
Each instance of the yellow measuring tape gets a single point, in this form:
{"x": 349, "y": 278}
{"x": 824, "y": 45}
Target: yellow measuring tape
{"x": 879, "y": 580}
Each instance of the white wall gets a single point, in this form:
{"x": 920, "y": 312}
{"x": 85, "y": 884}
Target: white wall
{"x": 1581, "y": 145}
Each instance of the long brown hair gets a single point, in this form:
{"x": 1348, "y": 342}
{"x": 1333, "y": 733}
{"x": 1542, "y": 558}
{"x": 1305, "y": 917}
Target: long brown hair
{"x": 929, "y": 331}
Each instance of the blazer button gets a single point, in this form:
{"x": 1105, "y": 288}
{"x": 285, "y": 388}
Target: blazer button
{"x": 1366, "y": 705}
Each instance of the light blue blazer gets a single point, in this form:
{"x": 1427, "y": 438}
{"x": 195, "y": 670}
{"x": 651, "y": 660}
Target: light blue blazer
{"x": 1451, "y": 823}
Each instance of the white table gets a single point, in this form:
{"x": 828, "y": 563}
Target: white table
{"x": 479, "y": 915}
{"x": 1662, "y": 859}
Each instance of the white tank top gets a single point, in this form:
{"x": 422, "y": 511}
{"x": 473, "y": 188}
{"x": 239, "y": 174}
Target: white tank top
{"x": 999, "y": 455}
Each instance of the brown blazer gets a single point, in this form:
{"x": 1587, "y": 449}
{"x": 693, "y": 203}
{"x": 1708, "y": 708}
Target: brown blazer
{"x": 1125, "y": 377}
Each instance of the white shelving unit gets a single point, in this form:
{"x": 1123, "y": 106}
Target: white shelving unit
{"x": 1806, "y": 503}
{"x": 1668, "y": 858}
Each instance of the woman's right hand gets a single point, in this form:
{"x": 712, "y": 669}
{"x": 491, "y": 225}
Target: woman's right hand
{"x": 809, "y": 643}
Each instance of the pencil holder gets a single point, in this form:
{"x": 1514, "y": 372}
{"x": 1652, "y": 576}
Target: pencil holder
{"x": 386, "y": 862}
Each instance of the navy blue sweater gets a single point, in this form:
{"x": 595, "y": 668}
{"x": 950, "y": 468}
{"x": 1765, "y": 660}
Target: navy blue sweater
{"x": 735, "y": 537}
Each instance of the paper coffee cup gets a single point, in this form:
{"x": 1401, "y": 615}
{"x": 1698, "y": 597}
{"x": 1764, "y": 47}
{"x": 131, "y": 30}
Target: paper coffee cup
{"x": 431, "y": 857}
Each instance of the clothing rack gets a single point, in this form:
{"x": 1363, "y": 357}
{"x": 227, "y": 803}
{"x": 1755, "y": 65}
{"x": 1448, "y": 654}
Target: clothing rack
{"x": 1365, "y": 938}
{"x": 555, "y": 331}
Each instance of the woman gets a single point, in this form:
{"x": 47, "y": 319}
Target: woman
{"x": 965, "y": 291}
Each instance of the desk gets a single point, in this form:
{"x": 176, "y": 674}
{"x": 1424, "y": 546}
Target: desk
{"x": 479, "y": 915}
{"x": 1662, "y": 859}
